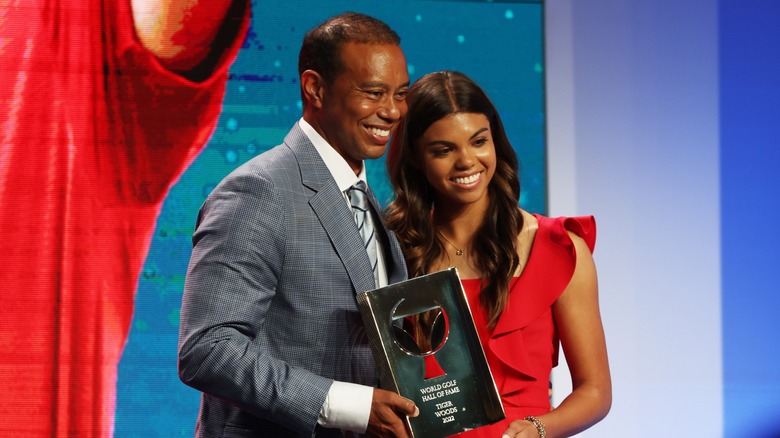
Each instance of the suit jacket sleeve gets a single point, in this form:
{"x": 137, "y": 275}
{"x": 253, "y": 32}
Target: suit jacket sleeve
{"x": 237, "y": 259}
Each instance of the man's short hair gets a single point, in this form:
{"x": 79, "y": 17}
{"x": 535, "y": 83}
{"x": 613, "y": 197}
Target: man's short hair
{"x": 321, "y": 48}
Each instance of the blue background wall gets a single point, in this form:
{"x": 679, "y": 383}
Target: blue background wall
{"x": 750, "y": 208}
{"x": 664, "y": 122}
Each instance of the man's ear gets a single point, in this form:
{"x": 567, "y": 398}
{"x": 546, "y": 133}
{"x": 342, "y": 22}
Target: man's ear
{"x": 313, "y": 88}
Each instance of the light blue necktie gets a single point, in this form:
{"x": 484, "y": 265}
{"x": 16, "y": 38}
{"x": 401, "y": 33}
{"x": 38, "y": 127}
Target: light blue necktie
{"x": 358, "y": 197}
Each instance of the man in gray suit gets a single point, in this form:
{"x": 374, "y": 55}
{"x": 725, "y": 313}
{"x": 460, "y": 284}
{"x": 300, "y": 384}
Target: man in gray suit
{"x": 270, "y": 330}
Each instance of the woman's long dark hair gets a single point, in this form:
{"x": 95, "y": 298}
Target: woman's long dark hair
{"x": 431, "y": 98}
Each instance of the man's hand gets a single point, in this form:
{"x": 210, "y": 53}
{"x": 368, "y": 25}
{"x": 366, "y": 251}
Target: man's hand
{"x": 388, "y": 410}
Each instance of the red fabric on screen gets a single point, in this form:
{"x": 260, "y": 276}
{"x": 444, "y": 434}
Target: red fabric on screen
{"x": 93, "y": 132}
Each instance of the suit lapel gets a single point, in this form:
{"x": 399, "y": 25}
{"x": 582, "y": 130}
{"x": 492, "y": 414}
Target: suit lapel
{"x": 329, "y": 205}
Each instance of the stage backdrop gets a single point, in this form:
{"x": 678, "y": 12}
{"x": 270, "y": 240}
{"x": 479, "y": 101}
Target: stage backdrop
{"x": 663, "y": 120}
{"x": 499, "y": 44}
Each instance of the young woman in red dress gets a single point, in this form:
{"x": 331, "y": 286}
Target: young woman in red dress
{"x": 530, "y": 280}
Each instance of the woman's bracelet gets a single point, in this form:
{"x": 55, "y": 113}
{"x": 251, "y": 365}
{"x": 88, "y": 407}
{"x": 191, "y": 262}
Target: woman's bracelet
{"x": 539, "y": 425}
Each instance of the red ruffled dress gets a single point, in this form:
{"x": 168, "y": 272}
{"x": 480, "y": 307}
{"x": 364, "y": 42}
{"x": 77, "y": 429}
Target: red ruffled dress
{"x": 523, "y": 347}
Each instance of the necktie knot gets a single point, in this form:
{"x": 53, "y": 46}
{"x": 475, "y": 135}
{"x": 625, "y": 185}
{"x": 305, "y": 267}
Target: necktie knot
{"x": 358, "y": 196}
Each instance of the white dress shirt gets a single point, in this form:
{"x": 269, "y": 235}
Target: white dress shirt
{"x": 347, "y": 405}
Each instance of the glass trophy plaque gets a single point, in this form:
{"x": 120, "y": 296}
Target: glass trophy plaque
{"x": 427, "y": 349}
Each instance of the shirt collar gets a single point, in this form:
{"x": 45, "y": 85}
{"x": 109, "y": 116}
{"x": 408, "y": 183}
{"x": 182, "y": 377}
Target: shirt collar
{"x": 336, "y": 164}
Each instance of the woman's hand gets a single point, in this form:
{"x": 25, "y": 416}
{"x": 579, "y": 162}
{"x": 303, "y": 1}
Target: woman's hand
{"x": 521, "y": 429}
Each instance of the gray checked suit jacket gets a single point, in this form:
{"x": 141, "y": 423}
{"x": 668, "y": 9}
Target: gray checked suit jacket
{"x": 269, "y": 317}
